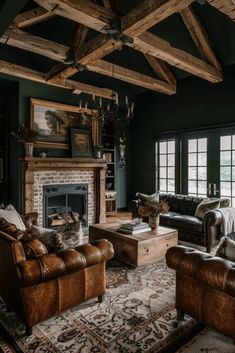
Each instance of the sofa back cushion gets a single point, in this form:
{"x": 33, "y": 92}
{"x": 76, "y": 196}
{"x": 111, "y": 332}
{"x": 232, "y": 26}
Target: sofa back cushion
{"x": 183, "y": 204}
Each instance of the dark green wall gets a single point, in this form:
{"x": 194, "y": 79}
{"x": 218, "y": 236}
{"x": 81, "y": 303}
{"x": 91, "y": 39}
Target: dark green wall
{"x": 196, "y": 104}
{"x": 19, "y": 111}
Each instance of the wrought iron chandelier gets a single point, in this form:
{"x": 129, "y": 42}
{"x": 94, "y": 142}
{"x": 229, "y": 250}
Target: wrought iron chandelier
{"x": 113, "y": 111}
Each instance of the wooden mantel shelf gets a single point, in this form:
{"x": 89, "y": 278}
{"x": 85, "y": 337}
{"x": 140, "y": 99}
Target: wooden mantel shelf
{"x": 59, "y": 163}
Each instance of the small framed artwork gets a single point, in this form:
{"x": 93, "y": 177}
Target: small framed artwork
{"x": 1, "y": 168}
{"x": 81, "y": 143}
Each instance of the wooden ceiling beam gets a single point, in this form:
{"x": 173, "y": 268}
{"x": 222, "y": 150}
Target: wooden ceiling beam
{"x": 161, "y": 69}
{"x": 85, "y": 12}
{"x": 62, "y": 70}
{"x": 131, "y": 76}
{"x": 225, "y": 6}
{"x": 33, "y": 75}
{"x": 148, "y": 13}
{"x": 199, "y": 36}
{"x": 32, "y": 17}
{"x": 101, "y": 45}
{"x": 150, "y": 44}
{"x": 24, "y": 40}
{"x": 97, "y": 48}
{"x": 9, "y": 9}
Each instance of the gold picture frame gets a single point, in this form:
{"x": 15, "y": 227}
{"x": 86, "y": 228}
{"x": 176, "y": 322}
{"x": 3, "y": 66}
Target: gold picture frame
{"x": 53, "y": 122}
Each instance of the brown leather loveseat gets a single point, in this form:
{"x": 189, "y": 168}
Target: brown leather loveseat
{"x": 37, "y": 284}
{"x": 205, "y": 287}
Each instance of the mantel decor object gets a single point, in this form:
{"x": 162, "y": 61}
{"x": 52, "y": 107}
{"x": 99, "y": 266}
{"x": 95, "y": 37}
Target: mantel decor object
{"x": 28, "y": 149}
{"x": 27, "y": 136}
{"x": 81, "y": 143}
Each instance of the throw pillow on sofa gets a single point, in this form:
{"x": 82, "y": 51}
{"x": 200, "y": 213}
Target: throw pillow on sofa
{"x": 226, "y": 248}
{"x": 206, "y": 206}
{"x": 12, "y": 216}
{"x": 148, "y": 198}
{"x": 70, "y": 237}
{"x": 48, "y": 237}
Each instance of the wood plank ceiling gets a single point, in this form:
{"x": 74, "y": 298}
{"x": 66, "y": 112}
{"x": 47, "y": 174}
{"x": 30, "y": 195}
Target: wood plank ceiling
{"x": 132, "y": 30}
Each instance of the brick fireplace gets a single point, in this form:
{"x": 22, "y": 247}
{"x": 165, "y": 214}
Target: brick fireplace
{"x": 40, "y": 172}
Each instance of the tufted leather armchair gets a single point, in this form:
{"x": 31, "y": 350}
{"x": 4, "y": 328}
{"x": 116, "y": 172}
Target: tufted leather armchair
{"x": 40, "y": 287}
{"x": 205, "y": 287}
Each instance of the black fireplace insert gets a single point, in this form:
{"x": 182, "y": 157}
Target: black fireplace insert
{"x": 65, "y": 204}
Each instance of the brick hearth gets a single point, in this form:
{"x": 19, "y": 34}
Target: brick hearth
{"x": 47, "y": 171}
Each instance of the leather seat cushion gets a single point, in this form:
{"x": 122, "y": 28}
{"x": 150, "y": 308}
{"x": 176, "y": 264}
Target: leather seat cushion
{"x": 181, "y": 221}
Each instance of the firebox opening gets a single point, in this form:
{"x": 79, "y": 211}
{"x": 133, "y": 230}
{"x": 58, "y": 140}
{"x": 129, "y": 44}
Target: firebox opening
{"x": 64, "y": 205}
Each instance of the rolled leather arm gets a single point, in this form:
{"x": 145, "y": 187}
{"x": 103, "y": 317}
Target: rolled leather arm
{"x": 212, "y": 218}
{"x": 51, "y": 266}
{"x": 214, "y": 272}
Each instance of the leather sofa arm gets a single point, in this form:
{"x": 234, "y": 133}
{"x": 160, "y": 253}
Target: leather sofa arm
{"x": 52, "y": 266}
{"x": 212, "y": 271}
{"x": 212, "y": 218}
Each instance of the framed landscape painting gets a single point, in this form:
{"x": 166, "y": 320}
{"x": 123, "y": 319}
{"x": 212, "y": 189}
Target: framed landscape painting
{"x": 53, "y": 122}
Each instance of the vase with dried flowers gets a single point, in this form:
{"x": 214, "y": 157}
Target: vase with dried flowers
{"x": 27, "y": 136}
{"x": 152, "y": 210}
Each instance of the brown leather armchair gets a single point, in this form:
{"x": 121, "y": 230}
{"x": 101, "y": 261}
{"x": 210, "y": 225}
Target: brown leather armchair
{"x": 40, "y": 287}
{"x": 205, "y": 287}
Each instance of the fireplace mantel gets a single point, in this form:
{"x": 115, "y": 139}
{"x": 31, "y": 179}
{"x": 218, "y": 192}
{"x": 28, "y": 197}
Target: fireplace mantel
{"x": 58, "y": 163}
{"x": 30, "y": 165}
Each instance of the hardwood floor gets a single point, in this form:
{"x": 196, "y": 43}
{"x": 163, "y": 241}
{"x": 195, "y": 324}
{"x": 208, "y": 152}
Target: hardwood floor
{"x": 121, "y": 215}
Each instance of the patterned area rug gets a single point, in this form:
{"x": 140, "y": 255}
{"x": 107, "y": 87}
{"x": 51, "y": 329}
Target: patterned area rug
{"x": 137, "y": 315}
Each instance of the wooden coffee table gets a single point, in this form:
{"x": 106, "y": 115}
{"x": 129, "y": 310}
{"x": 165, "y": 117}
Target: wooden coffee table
{"x": 139, "y": 249}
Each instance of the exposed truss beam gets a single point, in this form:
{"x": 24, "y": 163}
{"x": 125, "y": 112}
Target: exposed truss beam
{"x": 28, "y": 74}
{"x": 8, "y": 11}
{"x": 100, "y": 66}
{"x": 80, "y": 35}
{"x": 150, "y": 44}
{"x": 131, "y": 76}
{"x": 225, "y": 6}
{"x": 62, "y": 70}
{"x": 24, "y": 40}
{"x": 144, "y": 16}
{"x": 199, "y": 36}
{"x": 149, "y": 13}
{"x": 147, "y": 43}
{"x": 32, "y": 17}
{"x": 85, "y": 12}
{"x": 161, "y": 69}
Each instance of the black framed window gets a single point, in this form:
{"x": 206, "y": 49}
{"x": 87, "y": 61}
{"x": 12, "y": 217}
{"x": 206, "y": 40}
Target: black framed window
{"x": 166, "y": 165}
{"x": 227, "y": 167}
{"x": 197, "y": 167}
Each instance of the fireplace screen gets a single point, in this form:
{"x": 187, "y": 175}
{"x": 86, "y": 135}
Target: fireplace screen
{"x": 65, "y": 204}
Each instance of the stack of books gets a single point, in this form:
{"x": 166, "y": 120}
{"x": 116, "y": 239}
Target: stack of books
{"x": 134, "y": 228}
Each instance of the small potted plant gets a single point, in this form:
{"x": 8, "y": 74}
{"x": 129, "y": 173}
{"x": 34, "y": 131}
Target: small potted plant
{"x": 26, "y": 136}
{"x": 152, "y": 210}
